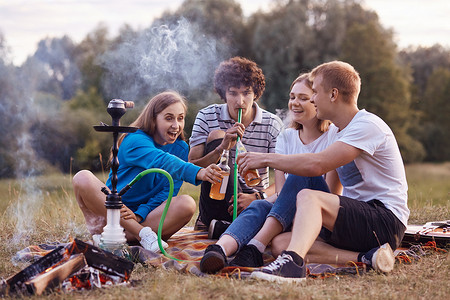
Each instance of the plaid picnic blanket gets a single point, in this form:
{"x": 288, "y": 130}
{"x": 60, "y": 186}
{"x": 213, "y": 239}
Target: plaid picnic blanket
{"x": 187, "y": 247}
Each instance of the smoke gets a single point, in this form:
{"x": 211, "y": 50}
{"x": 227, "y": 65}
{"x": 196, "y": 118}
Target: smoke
{"x": 176, "y": 57}
{"x": 17, "y": 113}
{"x": 285, "y": 116}
{"x": 30, "y": 196}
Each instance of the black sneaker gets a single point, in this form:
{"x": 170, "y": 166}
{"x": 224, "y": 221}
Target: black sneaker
{"x": 380, "y": 258}
{"x": 248, "y": 256}
{"x": 283, "y": 269}
{"x": 199, "y": 225}
{"x": 213, "y": 260}
{"x": 216, "y": 228}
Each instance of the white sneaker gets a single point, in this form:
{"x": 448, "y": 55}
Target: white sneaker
{"x": 381, "y": 258}
{"x": 149, "y": 240}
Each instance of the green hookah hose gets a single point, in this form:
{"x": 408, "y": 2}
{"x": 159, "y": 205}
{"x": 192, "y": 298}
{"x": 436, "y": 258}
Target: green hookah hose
{"x": 166, "y": 207}
{"x": 235, "y": 171}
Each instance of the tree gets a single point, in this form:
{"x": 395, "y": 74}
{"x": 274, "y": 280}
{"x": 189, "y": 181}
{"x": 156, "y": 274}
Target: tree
{"x": 435, "y": 125}
{"x": 385, "y": 84}
{"x": 423, "y": 62}
{"x": 219, "y": 19}
{"x": 54, "y": 58}
{"x": 87, "y": 56}
{"x": 281, "y": 43}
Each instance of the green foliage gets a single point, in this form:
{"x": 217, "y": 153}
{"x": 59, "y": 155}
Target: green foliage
{"x": 87, "y": 53}
{"x": 222, "y": 19}
{"x": 82, "y": 112}
{"x": 281, "y": 42}
{"x": 89, "y": 100}
{"x": 385, "y": 85}
{"x": 436, "y": 121}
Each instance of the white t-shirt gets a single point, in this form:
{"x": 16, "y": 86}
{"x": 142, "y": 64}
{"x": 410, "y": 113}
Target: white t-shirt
{"x": 378, "y": 173}
{"x": 289, "y": 142}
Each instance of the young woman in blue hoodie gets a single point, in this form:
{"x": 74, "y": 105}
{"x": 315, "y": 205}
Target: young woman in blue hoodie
{"x": 158, "y": 143}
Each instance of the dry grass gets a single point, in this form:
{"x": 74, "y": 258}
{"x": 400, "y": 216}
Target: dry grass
{"x": 43, "y": 210}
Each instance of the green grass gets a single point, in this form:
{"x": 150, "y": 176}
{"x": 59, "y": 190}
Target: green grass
{"x": 43, "y": 209}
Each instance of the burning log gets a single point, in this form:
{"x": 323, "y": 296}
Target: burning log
{"x": 55, "y": 276}
{"x": 16, "y": 282}
{"x": 103, "y": 260}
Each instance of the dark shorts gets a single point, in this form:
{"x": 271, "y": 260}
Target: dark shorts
{"x": 361, "y": 226}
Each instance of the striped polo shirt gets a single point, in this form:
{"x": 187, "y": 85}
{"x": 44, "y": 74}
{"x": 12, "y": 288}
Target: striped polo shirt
{"x": 260, "y": 136}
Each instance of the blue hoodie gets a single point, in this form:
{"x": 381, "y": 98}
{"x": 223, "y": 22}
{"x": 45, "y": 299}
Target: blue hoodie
{"x": 139, "y": 152}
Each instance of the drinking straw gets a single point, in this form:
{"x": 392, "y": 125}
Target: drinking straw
{"x": 236, "y": 172}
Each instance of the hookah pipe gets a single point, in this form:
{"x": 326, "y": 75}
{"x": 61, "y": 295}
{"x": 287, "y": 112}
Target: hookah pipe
{"x": 113, "y": 237}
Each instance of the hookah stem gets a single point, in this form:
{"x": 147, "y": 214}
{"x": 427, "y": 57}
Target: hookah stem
{"x": 235, "y": 172}
{"x": 166, "y": 207}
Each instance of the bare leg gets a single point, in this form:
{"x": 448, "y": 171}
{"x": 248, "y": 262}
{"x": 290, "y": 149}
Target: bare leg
{"x": 270, "y": 229}
{"x": 91, "y": 200}
{"x": 180, "y": 212}
{"x": 314, "y": 210}
{"x": 228, "y": 243}
{"x": 324, "y": 253}
{"x": 320, "y": 251}
{"x": 280, "y": 243}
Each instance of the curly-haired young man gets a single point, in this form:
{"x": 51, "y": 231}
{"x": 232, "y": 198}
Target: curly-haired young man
{"x": 239, "y": 83}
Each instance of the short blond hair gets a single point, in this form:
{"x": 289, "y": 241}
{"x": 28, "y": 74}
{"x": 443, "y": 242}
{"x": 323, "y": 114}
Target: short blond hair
{"x": 339, "y": 75}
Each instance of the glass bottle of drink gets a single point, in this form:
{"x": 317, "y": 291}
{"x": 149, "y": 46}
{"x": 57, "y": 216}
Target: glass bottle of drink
{"x": 251, "y": 177}
{"x": 218, "y": 189}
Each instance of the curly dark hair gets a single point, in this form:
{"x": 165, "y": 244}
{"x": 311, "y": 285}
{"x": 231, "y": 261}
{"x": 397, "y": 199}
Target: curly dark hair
{"x": 237, "y": 72}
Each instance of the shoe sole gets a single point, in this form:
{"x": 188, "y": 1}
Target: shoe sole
{"x": 274, "y": 278}
{"x": 156, "y": 249}
{"x": 211, "y": 229}
{"x": 212, "y": 263}
{"x": 385, "y": 259}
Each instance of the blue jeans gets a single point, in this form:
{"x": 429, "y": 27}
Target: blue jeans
{"x": 251, "y": 220}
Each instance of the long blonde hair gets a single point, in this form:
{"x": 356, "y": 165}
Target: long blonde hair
{"x": 323, "y": 124}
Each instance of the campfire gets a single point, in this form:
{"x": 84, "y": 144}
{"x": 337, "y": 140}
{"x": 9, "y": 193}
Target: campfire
{"x": 76, "y": 266}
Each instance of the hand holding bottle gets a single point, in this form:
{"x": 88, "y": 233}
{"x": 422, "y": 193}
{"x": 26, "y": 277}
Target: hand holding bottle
{"x": 251, "y": 161}
{"x": 212, "y": 174}
{"x": 251, "y": 176}
{"x": 218, "y": 189}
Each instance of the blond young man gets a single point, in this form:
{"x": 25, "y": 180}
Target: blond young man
{"x": 370, "y": 217}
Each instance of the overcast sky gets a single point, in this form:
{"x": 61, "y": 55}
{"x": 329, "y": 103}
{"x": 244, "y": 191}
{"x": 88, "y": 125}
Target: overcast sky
{"x": 25, "y": 22}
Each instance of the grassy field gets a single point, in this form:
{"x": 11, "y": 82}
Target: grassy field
{"x": 43, "y": 210}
